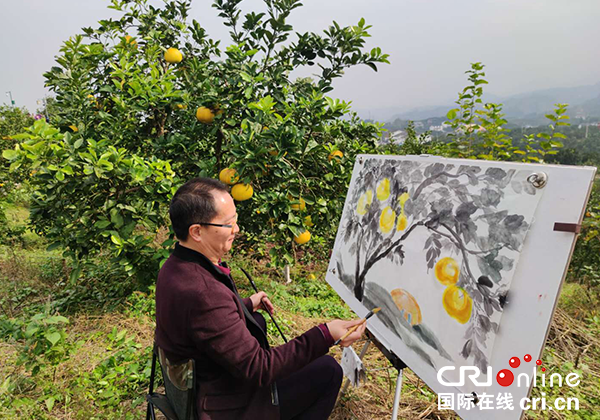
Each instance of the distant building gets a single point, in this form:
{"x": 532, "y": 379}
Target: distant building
{"x": 439, "y": 128}
{"x": 396, "y": 137}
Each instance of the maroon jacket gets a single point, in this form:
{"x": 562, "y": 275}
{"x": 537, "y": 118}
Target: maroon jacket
{"x": 200, "y": 315}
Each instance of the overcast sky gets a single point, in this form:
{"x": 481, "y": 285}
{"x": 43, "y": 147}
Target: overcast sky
{"x": 525, "y": 44}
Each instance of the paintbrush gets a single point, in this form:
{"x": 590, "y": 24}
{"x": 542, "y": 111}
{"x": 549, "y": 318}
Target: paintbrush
{"x": 354, "y": 328}
{"x": 263, "y": 304}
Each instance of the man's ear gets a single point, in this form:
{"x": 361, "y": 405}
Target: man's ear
{"x": 195, "y": 233}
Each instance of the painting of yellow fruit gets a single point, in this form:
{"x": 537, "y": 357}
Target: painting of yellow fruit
{"x": 402, "y": 222}
{"x": 457, "y": 303}
{"x": 409, "y": 308}
{"x": 387, "y": 219}
{"x": 383, "y": 189}
{"x": 364, "y": 202}
{"x": 447, "y": 271}
{"x": 403, "y": 199}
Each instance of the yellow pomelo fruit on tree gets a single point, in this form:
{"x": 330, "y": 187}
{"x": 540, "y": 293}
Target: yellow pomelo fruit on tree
{"x": 181, "y": 106}
{"x": 299, "y": 206}
{"x": 383, "y": 189}
{"x": 447, "y": 271}
{"x": 229, "y": 176}
{"x": 303, "y": 238}
{"x": 387, "y": 219}
{"x": 364, "y": 202}
{"x": 130, "y": 40}
{"x": 335, "y": 154}
{"x": 242, "y": 192}
{"x": 205, "y": 115}
{"x": 457, "y": 303}
{"x": 402, "y": 222}
{"x": 173, "y": 55}
{"x": 409, "y": 308}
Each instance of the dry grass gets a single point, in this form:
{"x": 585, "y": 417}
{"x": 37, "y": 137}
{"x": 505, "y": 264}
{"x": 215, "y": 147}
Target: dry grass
{"x": 569, "y": 337}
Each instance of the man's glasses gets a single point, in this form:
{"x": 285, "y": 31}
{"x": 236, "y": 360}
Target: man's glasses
{"x": 229, "y": 226}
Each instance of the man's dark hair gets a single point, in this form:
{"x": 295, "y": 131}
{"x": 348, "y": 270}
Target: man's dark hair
{"x": 193, "y": 203}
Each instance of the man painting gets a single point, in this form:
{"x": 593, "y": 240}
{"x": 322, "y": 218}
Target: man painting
{"x": 200, "y": 315}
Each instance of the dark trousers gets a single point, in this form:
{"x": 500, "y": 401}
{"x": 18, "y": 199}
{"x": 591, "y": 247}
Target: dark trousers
{"x": 309, "y": 393}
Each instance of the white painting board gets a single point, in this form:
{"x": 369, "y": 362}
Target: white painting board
{"x": 535, "y": 283}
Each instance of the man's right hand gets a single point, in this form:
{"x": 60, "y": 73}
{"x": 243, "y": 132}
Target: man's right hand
{"x": 337, "y": 329}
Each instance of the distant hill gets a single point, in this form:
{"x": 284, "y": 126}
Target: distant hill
{"x": 522, "y": 109}
{"x": 582, "y": 99}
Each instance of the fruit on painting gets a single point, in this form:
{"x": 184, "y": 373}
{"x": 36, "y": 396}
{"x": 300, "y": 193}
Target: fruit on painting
{"x": 383, "y": 189}
{"x": 447, "y": 271}
{"x": 387, "y": 219}
{"x": 457, "y": 303}
{"x": 364, "y": 202}
{"x": 402, "y": 222}
{"x": 409, "y": 308}
{"x": 403, "y": 199}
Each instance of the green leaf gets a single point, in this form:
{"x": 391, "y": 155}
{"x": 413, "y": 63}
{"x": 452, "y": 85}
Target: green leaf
{"x": 116, "y": 240}
{"x": 53, "y": 337}
{"x": 245, "y": 76}
{"x": 53, "y": 246}
{"x": 49, "y": 403}
{"x": 60, "y": 176}
{"x": 101, "y": 224}
{"x": 451, "y": 114}
{"x": 57, "y": 319}
{"x": 10, "y": 154}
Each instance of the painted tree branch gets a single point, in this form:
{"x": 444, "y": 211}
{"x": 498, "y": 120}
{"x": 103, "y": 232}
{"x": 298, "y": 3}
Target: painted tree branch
{"x": 470, "y": 251}
{"x": 431, "y": 180}
{"x": 462, "y": 248}
{"x": 377, "y": 256}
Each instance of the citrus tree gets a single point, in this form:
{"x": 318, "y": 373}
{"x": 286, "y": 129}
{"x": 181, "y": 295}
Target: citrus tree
{"x": 149, "y": 100}
{"x": 12, "y": 121}
{"x": 479, "y": 132}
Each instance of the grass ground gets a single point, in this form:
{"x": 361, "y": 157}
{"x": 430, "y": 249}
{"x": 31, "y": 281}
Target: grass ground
{"x": 100, "y": 370}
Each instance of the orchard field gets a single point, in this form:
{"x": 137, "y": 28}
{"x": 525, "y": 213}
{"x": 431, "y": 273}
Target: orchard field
{"x": 142, "y": 103}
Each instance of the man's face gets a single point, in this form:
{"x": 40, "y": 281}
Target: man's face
{"x": 219, "y": 239}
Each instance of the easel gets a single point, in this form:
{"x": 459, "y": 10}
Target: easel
{"x": 394, "y": 360}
